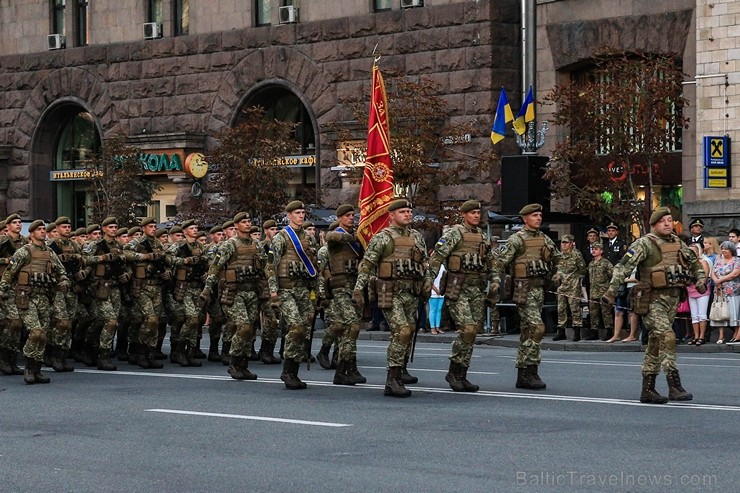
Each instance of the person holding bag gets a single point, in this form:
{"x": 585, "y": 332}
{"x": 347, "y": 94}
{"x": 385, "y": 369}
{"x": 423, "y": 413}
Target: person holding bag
{"x": 725, "y": 276}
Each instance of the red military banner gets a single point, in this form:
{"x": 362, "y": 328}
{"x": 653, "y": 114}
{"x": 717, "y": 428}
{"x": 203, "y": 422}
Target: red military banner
{"x": 377, "y": 179}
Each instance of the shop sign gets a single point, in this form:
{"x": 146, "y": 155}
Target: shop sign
{"x": 301, "y": 161}
{"x": 717, "y": 163}
{"x": 73, "y": 174}
{"x": 161, "y": 163}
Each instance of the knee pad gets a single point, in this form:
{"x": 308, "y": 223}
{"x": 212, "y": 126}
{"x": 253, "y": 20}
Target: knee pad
{"x": 15, "y": 325}
{"x": 110, "y": 327}
{"x": 539, "y": 333}
{"x": 37, "y": 336}
{"x": 669, "y": 340}
{"x": 404, "y": 334}
{"x": 468, "y": 333}
{"x": 354, "y": 331}
{"x": 245, "y": 332}
{"x": 152, "y": 322}
{"x": 299, "y": 332}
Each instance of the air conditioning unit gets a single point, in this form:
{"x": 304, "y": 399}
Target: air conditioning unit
{"x": 56, "y": 41}
{"x": 152, "y": 30}
{"x": 410, "y": 4}
{"x": 288, "y": 14}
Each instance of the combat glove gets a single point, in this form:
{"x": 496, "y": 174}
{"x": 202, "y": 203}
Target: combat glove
{"x": 192, "y": 260}
{"x": 204, "y": 298}
{"x": 493, "y": 294}
{"x": 609, "y": 297}
{"x": 124, "y": 278}
{"x": 357, "y": 298}
{"x": 701, "y": 286}
{"x": 426, "y": 289}
{"x": 81, "y": 275}
{"x": 275, "y": 302}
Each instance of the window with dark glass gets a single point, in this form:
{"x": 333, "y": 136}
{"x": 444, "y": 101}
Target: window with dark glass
{"x": 382, "y": 5}
{"x": 262, "y": 12}
{"x": 57, "y": 16}
{"x": 182, "y": 17}
{"x": 81, "y": 22}
{"x": 154, "y": 12}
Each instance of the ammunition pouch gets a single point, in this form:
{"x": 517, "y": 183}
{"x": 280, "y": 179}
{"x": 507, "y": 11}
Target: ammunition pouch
{"x": 384, "y": 293}
{"x": 181, "y": 287}
{"x": 372, "y": 294}
{"x": 24, "y": 278}
{"x": 670, "y": 276}
{"x": 103, "y": 290}
{"x": 401, "y": 269}
{"x": 522, "y": 286}
{"x": 22, "y": 296}
{"x": 227, "y": 293}
{"x": 467, "y": 262}
{"x": 136, "y": 288}
{"x": 264, "y": 292}
{"x": 247, "y": 273}
{"x": 455, "y": 283}
{"x": 640, "y": 298}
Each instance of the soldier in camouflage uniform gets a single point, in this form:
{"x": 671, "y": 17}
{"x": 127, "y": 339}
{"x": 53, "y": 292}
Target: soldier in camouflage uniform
{"x": 229, "y": 230}
{"x": 173, "y": 313}
{"x": 570, "y": 271}
{"x": 396, "y": 255}
{"x": 533, "y": 255}
{"x": 600, "y": 273}
{"x": 127, "y": 313}
{"x": 293, "y": 254}
{"x": 331, "y": 332}
{"x": 665, "y": 266}
{"x": 268, "y": 318}
{"x": 150, "y": 270}
{"x": 85, "y": 308}
{"x": 36, "y": 272}
{"x": 467, "y": 257}
{"x": 11, "y": 324}
{"x": 190, "y": 268}
{"x": 345, "y": 254}
{"x": 213, "y": 309}
{"x": 239, "y": 265}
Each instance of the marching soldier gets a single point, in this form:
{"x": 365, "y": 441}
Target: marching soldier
{"x": 665, "y": 266}
{"x": 600, "y": 273}
{"x": 533, "y": 255}
{"x": 331, "y": 333}
{"x": 294, "y": 262}
{"x": 467, "y": 257}
{"x": 268, "y": 318}
{"x": 10, "y": 320}
{"x": 213, "y": 309}
{"x": 36, "y": 272}
{"x": 396, "y": 255}
{"x": 570, "y": 271}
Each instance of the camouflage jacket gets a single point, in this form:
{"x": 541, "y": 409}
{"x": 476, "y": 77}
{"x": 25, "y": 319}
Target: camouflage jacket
{"x": 514, "y": 247}
{"x": 571, "y": 268}
{"x": 449, "y": 242}
{"x": 600, "y": 272}
{"x": 377, "y": 248}
{"x": 278, "y": 246}
{"x": 22, "y": 257}
{"x": 226, "y": 250}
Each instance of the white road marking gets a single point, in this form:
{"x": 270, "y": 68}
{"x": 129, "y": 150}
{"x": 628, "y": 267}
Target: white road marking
{"x": 251, "y": 418}
{"x": 548, "y": 361}
{"x": 414, "y": 369}
{"x": 439, "y": 390}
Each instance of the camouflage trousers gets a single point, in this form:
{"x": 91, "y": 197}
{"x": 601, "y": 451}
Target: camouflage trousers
{"x": 268, "y": 322}
{"x": 36, "y": 319}
{"x": 297, "y": 312}
{"x": 600, "y": 312}
{"x": 194, "y": 316}
{"x": 467, "y": 312}
{"x": 106, "y": 312}
{"x": 401, "y": 318}
{"x": 10, "y": 325}
{"x": 150, "y": 309}
{"x": 345, "y": 323}
{"x": 173, "y": 312}
{"x": 532, "y": 329}
{"x": 333, "y": 331}
{"x": 216, "y": 314}
{"x": 242, "y": 316}
{"x": 63, "y": 314}
{"x": 661, "y": 347}
{"x": 569, "y": 299}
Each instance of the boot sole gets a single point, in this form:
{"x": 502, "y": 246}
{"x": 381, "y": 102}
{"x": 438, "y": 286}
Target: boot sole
{"x": 390, "y": 393}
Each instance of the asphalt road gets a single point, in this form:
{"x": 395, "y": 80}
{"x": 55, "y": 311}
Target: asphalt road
{"x": 196, "y": 430}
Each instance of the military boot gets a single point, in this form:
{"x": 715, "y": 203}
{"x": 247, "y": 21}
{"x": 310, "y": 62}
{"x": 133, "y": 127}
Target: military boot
{"x": 56, "y": 359}
{"x": 393, "y": 384}
{"x": 48, "y": 350}
{"x": 86, "y": 355}
{"x": 467, "y": 385}
{"x": 560, "y": 336}
{"x": 675, "y": 391}
{"x": 13, "y": 362}
{"x": 37, "y": 375}
{"x": 522, "y": 378}
{"x": 177, "y": 355}
{"x": 323, "y": 357}
{"x": 191, "y": 356}
{"x": 104, "y": 361}
{"x": 290, "y": 375}
{"x": 576, "y": 334}
{"x": 593, "y": 335}
{"x": 225, "y": 357}
{"x": 122, "y": 344}
{"x": 334, "y": 358}
{"x": 406, "y": 377}
{"x": 65, "y": 364}
{"x": 28, "y": 372}
{"x": 253, "y": 356}
{"x": 5, "y": 368}
{"x": 649, "y": 395}
{"x": 453, "y": 377}
{"x": 267, "y": 355}
{"x": 239, "y": 369}
{"x": 353, "y": 372}
{"x": 197, "y": 351}
{"x": 152, "y": 358}
{"x": 141, "y": 356}
{"x": 342, "y": 376}
{"x": 534, "y": 379}
{"x": 133, "y": 353}
{"x": 213, "y": 355}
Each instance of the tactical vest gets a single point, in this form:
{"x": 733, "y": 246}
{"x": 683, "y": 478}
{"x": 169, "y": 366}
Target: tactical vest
{"x": 148, "y": 269}
{"x": 401, "y": 259}
{"x": 535, "y": 262}
{"x": 470, "y": 256}
{"x": 343, "y": 265}
{"x": 38, "y": 272}
{"x": 107, "y": 270}
{"x": 244, "y": 264}
{"x": 291, "y": 266}
{"x": 190, "y": 273}
{"x": 671, "y": 270}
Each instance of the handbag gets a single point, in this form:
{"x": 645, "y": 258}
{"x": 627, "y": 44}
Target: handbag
{"x": 720, "y": 311}
{"x": 684, "y": 307}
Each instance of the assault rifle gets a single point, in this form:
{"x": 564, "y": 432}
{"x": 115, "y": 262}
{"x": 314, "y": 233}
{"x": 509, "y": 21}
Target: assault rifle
{"x": 71, "y": 262}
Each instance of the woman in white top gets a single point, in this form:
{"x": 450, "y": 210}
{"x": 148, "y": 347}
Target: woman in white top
{"x": 435, "y": 304}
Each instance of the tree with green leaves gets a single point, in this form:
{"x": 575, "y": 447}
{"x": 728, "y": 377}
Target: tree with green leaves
{"x": 625, "y": 114}
{"x": 118, "y": 186}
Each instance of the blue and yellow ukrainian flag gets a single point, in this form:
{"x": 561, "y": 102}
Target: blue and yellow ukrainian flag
{"x": 526, "y": 114}
{"x": 503, "y": 116}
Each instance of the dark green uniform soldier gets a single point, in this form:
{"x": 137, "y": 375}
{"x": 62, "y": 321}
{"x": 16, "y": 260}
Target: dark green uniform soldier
{"x": 36, "y": 272}
{"x": 467, "y": 257}
{"x": 11, "y": 324}
{"x": 665, "y": 266}
{"x": 396, "y": 256}
{"x": 533, "y": 256}
{"x": 570, "y": 271}
{"x": 600, "y": 272}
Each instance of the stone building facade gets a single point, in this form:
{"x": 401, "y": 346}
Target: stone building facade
{"x": 171, "y": 95}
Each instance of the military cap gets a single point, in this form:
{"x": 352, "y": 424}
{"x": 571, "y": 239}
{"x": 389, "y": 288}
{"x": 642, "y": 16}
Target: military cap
{"x": 175, "y": 229}
{"x": 93, "y": 227}
{"x": 294, "y": 206}
{"x": 308, "y": 224}
{"x": 122, "y": 231}
{"x": 597, "y": 244}
{"x": 529, "y": 209}
{"x": 188, "y": 223}
{"x": 254, "y": 229}
{"x": 147, "y": 220}
{"x": 62, "y": 220}
{"x": 12, "y": 218}
{"x": 159, "y": 232}
{"x": 134, "y": 230}
{"x": 109, "y": 220}
{"x": 344, "y": 209}
{"x": 594, "y": 231}
{"x": 612, "y": 226}
{"x": 80, "y": 231}
{"x": 399, "y": 204}
{"x": 51, "y": 227}
{"x": 696, "y": 221}
{"x": 568, "y": 238}
{"x": 269, "y": 224}
{"x": 2, "y": 224}
{"x": 37, "y": 223}
{"x": 227, "y": 225}
{"x": 241, "y": 217}
{"x": 659, "y": 213}
{"x": 214, "y": 230}
{"x": 470, "y": 205}
{"x": 333, "y": 225}
{"x": 201, "y": 233}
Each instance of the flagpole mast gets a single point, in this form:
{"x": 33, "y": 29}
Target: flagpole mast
{"x": 532, "y": 140}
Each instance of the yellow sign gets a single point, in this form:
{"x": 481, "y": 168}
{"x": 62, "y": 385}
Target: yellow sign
{"x": 717, "y": 172}
{"x": 74, "y": 174}
{"x": 717, "y": 182}
{"x": 196, "y": 165}
{"x": 717, "y": 148}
